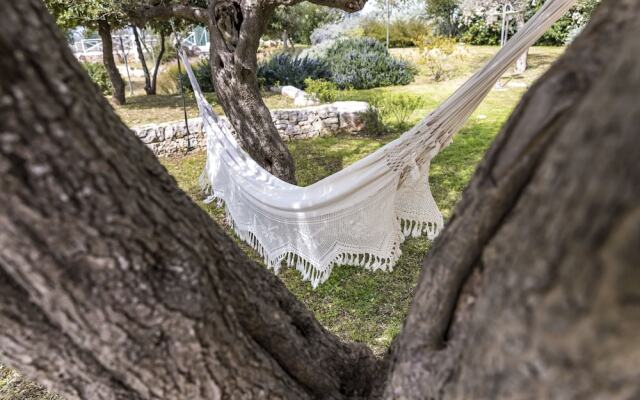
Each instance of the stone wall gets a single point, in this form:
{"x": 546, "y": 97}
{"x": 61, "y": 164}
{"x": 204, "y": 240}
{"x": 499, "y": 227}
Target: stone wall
{"x": 170, "y": 138}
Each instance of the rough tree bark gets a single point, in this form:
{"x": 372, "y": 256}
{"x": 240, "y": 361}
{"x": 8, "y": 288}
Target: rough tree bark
{"x": 235, "y": 28}
{"x": 533, "y": 289}
{"x": 115, "y": 285}
{"x": 104, "y": 30}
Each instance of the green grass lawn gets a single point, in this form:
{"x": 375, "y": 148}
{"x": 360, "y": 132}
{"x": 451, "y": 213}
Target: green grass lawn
{"x": 356, "y": 304}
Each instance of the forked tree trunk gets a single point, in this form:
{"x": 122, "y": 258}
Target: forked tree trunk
{"x": 115, "y": 285}
{"x": 148, "y": 88}
{"x": 235, "y": 35}
{"x": 110, "y": 63}
{"x": 156, "y": 68}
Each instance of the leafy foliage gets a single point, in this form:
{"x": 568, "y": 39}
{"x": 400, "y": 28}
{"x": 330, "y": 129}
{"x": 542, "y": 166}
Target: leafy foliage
{"x": 70, "y": 14}
{"x": 98, "y": 74}
{"x": 402, "y": 33}
{"x": 366, "y": 63}
{"x": 323, "y": 90}
{"x": 299, "y": 21}
{"x": 478, "y": 29}
{"x": 202, "y": 71}
{"x": 169, "y": 80}
{"x": 372, "y": 119}
{"x": 478, "y": 32}
{"x": 287, "y": 69}
{"x": 445, "y": 14}
{"x": 401, "y": 106}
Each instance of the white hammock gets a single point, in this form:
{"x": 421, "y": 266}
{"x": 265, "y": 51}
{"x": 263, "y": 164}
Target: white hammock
{"x": 360, "y": 215}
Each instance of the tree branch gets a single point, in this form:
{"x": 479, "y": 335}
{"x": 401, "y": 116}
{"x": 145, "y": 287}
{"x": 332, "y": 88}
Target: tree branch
{"x": 164, "y": 12}
{"x": 345, "y": 5}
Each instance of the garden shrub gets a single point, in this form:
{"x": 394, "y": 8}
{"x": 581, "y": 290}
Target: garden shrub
{"x": 98, "y": 74}
{"x": 366, "y": 63}
{"x": 478, "y": 32}
{"x": 441, "y": 56}
{"x": 287, "y": 69}
{"x": 372, "y": 119}
{"x": 402, "y": 32}
{"x": 202, "y": 71}
{"x": 400, "y": 106}
{"x": 323, "y": 90}
{"x": 169, "y": 80}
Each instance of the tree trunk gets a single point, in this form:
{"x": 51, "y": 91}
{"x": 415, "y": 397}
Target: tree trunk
{"x": 148, "y": 88}
{"x": 521, "y": 63}
{"x": 156, "y": 68}
{"x": 533, "y": 289}
{"x": 235, "y": 35}
{"x": 115, "y": 285}
{"x": 110, "y": 63}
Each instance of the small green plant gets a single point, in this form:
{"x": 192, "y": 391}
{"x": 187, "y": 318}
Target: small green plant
{"x": 98, "y": 74}
{"x": 401, "y": 106}
{"x": 436, "y": 67}
{"x": 325, "y": 91}
{"x": 373, "y": 122}
{"x": 441, "y": 56}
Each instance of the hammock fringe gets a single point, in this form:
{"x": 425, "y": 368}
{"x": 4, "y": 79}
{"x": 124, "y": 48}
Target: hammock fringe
{"x": 312, "y": 272}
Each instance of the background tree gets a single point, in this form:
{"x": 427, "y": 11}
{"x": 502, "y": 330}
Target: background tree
{"x": 115, "y": 285}
{"x": 444, "y": 12}
{"x": 163, "y": 29}
{"x": 298, "y": 22}
{"x": 235, "y": 27}
{"x": 103, "y": 15}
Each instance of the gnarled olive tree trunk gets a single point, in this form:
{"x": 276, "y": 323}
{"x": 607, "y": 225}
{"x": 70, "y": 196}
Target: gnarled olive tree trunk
{"x": 115, "y": 285}
{"x": 235, "y": 30}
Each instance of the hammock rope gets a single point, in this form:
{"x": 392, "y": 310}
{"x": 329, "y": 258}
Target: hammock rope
{"x": 360, "y": 215}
